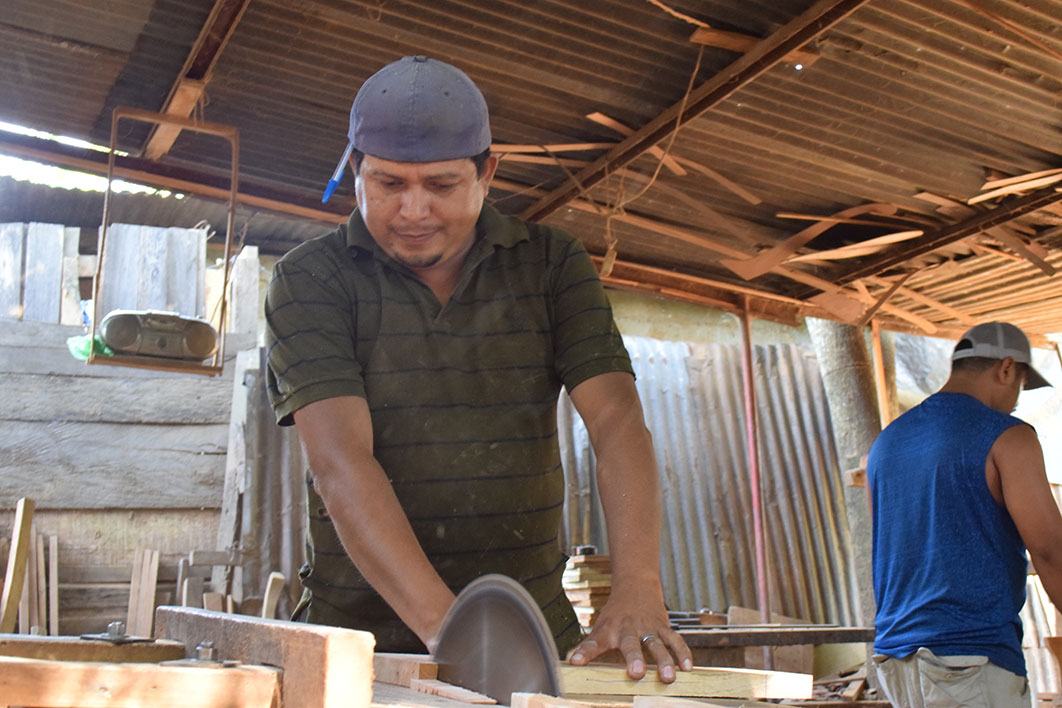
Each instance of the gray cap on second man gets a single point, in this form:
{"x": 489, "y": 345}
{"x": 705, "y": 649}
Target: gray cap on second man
{"x": 419, "y": 110}
{"x": 998, "y": 340}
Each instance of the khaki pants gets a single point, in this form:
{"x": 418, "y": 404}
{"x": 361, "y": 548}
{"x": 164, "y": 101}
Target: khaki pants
{"x": 925, "y": 680}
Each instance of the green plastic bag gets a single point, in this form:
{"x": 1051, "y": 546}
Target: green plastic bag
{"x": 79, "y": 347}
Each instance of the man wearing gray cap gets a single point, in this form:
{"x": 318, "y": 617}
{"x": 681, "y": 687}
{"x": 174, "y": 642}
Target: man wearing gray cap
{"x": 958, "y": 491}
{"x": 419, "y": 350}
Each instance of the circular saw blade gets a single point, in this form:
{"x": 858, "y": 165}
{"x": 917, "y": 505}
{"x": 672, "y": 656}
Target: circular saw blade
{"x": 495, "y": 641}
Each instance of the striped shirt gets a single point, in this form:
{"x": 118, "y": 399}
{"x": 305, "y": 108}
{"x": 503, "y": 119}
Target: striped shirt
{"x": 462, "y": 397}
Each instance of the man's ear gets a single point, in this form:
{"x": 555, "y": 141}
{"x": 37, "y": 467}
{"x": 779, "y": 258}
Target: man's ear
{"x": 1006, "y": 368}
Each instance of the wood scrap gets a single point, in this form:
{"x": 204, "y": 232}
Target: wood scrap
{"x": 29, "y": 619}
{"x": 436, "y": 687}
{"x": 700, "y": 681}
{"x": 401, "y": 669}
{"x": 15, "y": 576}
{"x": 884, "y": 298}
{"x": 274, "y": 586}
{"x": 1007, "y": 181}
{"x": 858, "y": 250}
{"x": 214, "y": 601}
{"x": 542, "y": 700}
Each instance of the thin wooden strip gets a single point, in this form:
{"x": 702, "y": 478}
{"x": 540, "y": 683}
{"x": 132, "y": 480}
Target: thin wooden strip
{"x": 926, "y": 300}
{"x": 14, "y": 578}
{"x": 1016, "y": 187}
{"x": 856, "y": 250}
{"x": 42, "y": 586}
{"x": 561, "y": 147}
{"x": 624, "y": 130}
{"x": 53, "y": 585}
{"x": 1031, "y": 254}
{"x": 135, "y": 578}
{"x": 29, "y": 615}
{"x": 764, "y": 262}
{"x": 1007, "y": 181}
{"x": 708, "y": 682}
{"x": 70, "y": 684}
{"x": 882, "y": 300}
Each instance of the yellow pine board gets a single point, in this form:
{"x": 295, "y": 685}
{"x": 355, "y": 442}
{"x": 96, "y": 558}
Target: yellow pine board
{"x": 701, "y": 681}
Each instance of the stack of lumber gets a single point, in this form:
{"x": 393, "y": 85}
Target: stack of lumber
{"x": 587, "y": 581}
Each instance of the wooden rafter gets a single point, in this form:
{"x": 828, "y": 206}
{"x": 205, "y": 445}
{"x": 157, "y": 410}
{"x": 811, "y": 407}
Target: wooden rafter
{"x": 191, "y": 83}
{"x": 765, "y": 55}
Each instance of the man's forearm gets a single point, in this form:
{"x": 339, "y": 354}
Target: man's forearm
{"x": 379, "y": 539}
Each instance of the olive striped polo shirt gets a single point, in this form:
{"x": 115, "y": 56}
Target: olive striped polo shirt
{"x": 462, "y": 397}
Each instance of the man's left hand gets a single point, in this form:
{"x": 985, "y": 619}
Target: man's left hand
{"x": 640, "y": 630}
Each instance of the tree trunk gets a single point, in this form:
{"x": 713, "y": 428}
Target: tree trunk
{"x": 848, "y": 377}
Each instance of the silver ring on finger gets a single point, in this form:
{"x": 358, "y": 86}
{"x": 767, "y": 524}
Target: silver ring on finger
{"x": 647, "y": 637}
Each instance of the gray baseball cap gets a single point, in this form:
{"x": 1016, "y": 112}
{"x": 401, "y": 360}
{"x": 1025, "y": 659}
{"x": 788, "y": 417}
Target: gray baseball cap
{"x": 998, "y": 340}
{"x": 419, "y": 109}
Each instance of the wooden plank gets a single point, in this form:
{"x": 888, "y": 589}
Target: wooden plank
{"x": 191, "y": 592}
{"x": 151, "y": 274}
{"x": 77, "y": 649}
{"x": 385, "y": 695}
{"x": 400, "y": 669}
{"x": 173, "y": 467}
{"x": 12, "y": 249}
{"x": 42, "y": 586}
{"x": 243, "y": 305}
{"x": 145, "y": 605}
{"x": 15, "y": 576}
{"x": 97, "y": 400}
{"x": 436, "y": 687}
{"x": 43, "y": 276}
{"x": 1014, "y": 187}
{"x": 53, "y": 585}
{"x": 274, "y": 586}
{"x": 70, "y": 290}
{"x": 68, "y": 684}
{"x": 119, "y": 275}
{"x": 700, "y": 681}
{"x": 324, "y": 667}
{"x": 135, "y": 578}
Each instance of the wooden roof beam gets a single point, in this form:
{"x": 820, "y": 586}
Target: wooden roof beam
{"x": 764, "y": 56}
{"x": 192, "y": 80}
{"x": 983, "y": 221}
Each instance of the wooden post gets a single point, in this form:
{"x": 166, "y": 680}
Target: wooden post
{"x": 881, "y": 383}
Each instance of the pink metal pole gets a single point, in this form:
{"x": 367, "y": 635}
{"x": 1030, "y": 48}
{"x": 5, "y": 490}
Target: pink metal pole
{"x": 754, "y": 472}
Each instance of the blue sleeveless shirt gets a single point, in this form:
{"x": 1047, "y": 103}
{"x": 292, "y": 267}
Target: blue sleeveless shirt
{"x": 949, "y": 564}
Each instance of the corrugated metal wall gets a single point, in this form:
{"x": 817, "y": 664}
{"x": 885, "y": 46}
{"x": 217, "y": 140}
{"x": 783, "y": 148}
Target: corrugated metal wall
{"x": 694, "y": 407}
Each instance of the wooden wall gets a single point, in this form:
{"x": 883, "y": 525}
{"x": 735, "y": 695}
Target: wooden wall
{"x": 116, "y": 458}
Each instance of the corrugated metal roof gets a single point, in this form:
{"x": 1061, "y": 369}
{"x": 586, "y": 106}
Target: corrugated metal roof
{"x": 694, "y": 406}
{"x": 906, "y": 97}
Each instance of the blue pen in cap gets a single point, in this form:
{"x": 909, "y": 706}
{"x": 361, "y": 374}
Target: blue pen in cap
{"x": 338, "y": 174}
